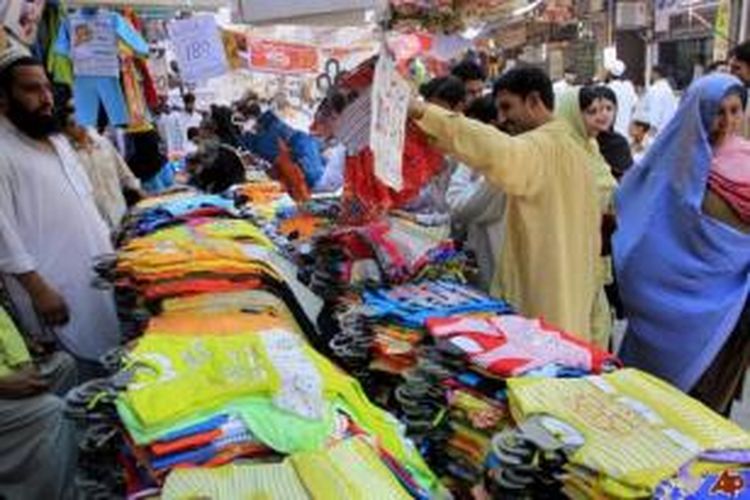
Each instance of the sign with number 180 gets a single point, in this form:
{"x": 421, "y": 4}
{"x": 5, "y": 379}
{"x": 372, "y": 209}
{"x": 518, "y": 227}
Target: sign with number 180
{"x": 199, "y": 49}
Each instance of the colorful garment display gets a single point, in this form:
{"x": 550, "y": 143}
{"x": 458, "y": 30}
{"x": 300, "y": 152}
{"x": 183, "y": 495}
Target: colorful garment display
{"x": 637, "y": 430}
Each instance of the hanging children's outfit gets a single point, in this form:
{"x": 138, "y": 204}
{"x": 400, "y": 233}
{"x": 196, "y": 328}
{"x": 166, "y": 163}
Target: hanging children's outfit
{"x": 90, "y": 39}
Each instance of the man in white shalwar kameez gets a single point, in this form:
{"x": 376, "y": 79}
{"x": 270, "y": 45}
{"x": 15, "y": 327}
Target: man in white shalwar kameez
{"x": 660, "y": 102}
{"x": 51, "y": 231}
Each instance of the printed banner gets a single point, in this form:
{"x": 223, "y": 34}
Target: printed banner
{"x": 199, "y": 48}
{"x": 281, "y": 57}
{"x": 93, "y": 42}
{"x": 390, "y": 101}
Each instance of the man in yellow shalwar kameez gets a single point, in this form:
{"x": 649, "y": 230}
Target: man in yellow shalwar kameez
{"x": 547, "y": 266}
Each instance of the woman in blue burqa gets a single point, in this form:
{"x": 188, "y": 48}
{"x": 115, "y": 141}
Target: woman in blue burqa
{"x": 682, "y": 249}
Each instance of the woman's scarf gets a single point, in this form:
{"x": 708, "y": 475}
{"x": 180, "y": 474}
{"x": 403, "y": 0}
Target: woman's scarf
{"x": 683, "y": 276}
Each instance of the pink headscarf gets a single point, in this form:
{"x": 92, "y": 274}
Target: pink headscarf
{"x": 730, "y": 175}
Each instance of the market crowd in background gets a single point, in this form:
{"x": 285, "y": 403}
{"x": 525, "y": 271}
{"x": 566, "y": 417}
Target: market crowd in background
{"x": 581, "y": 201}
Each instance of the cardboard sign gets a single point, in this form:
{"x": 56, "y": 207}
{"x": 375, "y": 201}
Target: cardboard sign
{"x": 390, "y": 101}
{"x": 281, "y": 57}
{"x": 93, "y": 43}
{"x": 199, "y": 48}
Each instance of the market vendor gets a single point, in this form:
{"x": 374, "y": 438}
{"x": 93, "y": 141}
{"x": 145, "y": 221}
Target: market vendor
{"x": 547, "y": 263}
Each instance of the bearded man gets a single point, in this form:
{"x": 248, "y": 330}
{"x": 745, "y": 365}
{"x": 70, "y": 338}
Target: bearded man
{"x": 50, "y": 229}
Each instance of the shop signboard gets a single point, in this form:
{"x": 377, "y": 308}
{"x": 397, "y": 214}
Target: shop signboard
{"x": 281, "y": 57}
{"x": 198, "y": 47}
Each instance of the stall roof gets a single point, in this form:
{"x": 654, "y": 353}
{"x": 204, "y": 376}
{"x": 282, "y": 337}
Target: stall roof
{"x": 308, "y": 12}
{"x": 170, "y": 4}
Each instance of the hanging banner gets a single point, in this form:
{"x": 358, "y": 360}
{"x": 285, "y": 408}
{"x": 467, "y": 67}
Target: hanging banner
{"x": 281, "y": 57}
{"x": 721, "y": 30}
{"x": 199, "y": 48}
{"x": 390, "y": 102}
{"x": 93, "y": 43}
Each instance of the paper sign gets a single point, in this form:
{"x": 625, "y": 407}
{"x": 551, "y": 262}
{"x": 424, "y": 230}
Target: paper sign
{"x": 93, "y": 43}
{"x": 281, "y": 57}
{"x": 199, "y": 49}
{"x": 157, "y": 64}
{"x": 390, "y": 101}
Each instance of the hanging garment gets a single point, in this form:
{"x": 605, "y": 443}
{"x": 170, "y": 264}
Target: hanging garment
{"x": 133, "y": 90}
{"x": 91, "y": 90}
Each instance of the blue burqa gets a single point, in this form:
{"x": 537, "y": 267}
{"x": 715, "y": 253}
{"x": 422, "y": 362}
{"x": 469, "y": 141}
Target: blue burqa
{"x": 683, "y": 275}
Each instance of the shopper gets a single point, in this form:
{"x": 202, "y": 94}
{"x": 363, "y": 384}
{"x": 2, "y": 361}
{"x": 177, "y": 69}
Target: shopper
{"x": 739, "y": 65}
{"x": 473, "y": 77}
{"x": 682, "y": 249}
{"x": 568, "y": 81}
{"x": 587, "y": 114}
{"x": 37, "y": 444}
{"x": 640, "y": 138}
{"x": 626, "y": 97}
{"x": 721, "y": 66}
{"x": 660, "y": 102}
{"x": 548, "y": 262}
{"x": 739, "y": 62}
{"x": 477, "y": 207}
{"x": 188, "y": 117}
{"x": 108, "y": 173}
{"x": 613, "y": 146}
{"x": 51, "y": 231}
{"x": 146, "y": 159}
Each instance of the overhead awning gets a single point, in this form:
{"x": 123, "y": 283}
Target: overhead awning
{"x": 155, "y": 4}
{"x": 308, "y": 12}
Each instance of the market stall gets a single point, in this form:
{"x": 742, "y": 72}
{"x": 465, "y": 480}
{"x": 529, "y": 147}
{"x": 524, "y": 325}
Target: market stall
{"x": 314, "y": 330}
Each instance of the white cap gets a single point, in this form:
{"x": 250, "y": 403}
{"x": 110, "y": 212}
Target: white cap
{"x": 616, "y": 68}
{"x": 641, "y": 116}
{"x": 12, "y": 53}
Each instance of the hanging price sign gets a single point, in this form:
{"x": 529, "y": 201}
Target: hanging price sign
{"x": 199, "y": 49}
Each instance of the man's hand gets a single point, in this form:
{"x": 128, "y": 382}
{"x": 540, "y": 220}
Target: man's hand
{"x": 49, "y": 304}
{"x": 416, "y": 108}
{"x": 23, "y": 383}
{"x": 51, "y": 307}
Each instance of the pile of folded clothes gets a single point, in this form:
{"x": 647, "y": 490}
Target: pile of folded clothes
{"x": 390, "y": 251}
{"x": 352, "y": 468}
{"x": 221, "y": 369}
{"x": 624, "y": 434}
{"x": 380, "y": 329}
{"x": 288, "y": 224}
{"x": 206, "y": 397}
{"x": 456, "y": 398}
